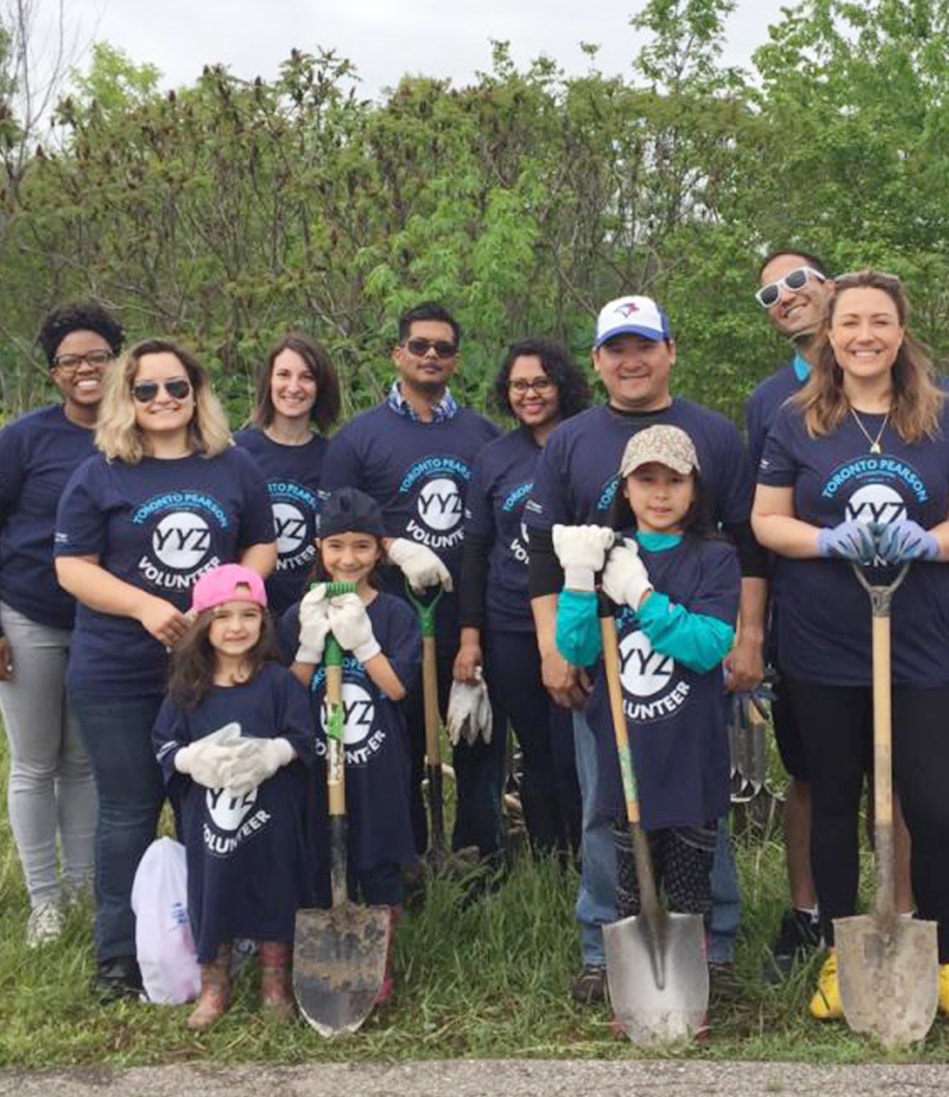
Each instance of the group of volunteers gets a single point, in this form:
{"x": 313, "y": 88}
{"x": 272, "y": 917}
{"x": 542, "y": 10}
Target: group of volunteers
{"x": 165, "y": 609}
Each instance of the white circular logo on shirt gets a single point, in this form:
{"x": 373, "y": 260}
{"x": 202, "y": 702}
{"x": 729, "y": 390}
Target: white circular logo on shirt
{"x": 439, "y": 504}
{"x": 644, "y": 671}
{"x": 227, "y": 809}
{"x": 181, "y": 540}
{"x": 359, "y": 714}
{"x": 290, "y": 525}
{"x": 875, "y": 503}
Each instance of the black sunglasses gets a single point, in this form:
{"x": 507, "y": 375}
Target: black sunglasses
{"x": 146, "y": 391}
{"x": 794, "y": 280}
{"x": 442, "y": 348}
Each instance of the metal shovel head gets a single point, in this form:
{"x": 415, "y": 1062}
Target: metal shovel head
{"x": 651, "y": 1014}
{"x": 889, "y": 976}
{"x": 339, "y": 961}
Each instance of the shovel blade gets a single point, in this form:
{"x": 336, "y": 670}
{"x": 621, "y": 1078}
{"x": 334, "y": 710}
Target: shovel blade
{"x": 652, "y": 1014}
{"x": 889, "y": 976}
{"x": 339, "y": 961}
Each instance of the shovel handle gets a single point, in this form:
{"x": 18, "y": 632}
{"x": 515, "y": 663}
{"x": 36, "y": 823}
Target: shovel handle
{"x": 645, "y": 876}
{"x": 880, "y": 599}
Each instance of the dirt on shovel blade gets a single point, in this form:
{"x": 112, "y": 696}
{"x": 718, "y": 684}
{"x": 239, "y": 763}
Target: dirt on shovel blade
{"x": 339, "y": 965}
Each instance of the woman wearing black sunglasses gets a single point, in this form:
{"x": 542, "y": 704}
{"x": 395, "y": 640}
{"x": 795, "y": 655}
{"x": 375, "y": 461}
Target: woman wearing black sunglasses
{"x": 539, "y": 386}
{"x": 167, "y": 498}
{"x": 51, "y": 792}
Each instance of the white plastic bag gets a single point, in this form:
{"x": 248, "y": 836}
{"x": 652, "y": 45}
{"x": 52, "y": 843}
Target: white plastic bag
{"x": 163, "y": 942}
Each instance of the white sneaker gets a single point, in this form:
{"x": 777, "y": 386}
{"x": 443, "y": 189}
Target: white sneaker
{"x": 45, "y": 924}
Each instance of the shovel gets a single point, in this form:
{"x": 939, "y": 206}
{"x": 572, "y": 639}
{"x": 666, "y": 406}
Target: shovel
{"x": 888, "y": 966}
{"x": 339, "y": 955}
{"x": 655, "y": 961}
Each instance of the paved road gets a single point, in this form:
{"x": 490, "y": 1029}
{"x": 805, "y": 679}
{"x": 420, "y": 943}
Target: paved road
{"x": 490, "y": 1078}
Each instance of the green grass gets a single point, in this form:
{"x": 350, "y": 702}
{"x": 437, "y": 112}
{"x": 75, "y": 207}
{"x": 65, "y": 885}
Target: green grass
{"x": 486, "y": 979}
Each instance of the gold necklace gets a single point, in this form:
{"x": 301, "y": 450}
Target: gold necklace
{"x": 875, "y": 446}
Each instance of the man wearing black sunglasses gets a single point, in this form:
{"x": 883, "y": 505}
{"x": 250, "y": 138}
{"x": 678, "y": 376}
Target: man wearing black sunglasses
{"x": 794, "y": 290}
{"x": 413, "y": 454}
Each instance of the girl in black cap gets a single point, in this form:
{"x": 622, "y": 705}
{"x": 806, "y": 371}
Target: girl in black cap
{"x": 382, "y": 647}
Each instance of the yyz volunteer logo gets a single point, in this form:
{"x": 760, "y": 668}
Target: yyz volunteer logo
{"x": 181, "y": 547}
{"x": 439, "y": 503}
{"x": 651, "y": 686}
{"x": 294, "y": 512}
{"x": 231, "y": 819}
{"x": 359, "y": 715}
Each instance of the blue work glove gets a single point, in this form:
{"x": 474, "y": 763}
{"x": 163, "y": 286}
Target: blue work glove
{"x": 852, "y": 541}
{"x": 905, "y": 540}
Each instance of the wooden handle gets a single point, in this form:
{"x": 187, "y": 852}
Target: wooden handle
{"x": 433, "y": 752}
{"x": 615, "y": 690}
{"x": 335, "y": 750}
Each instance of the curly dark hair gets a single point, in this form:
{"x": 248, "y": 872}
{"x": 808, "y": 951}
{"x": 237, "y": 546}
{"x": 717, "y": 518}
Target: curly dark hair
{"x": 555, "y": 360}
{"x": 326, "y": 408}
{"x": 191, "y": 674}
{"x": 78, "y": 316}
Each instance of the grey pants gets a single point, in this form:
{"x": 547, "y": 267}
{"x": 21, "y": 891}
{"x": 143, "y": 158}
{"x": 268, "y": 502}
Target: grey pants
{"x": 51, "y": 789}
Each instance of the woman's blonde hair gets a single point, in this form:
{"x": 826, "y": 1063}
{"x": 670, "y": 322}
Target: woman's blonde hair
{"x": 118, "y": 435}
{"x": 917, "y": 400}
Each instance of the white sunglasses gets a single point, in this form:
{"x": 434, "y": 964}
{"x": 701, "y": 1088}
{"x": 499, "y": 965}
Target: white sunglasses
{"x": 795, "y": 279}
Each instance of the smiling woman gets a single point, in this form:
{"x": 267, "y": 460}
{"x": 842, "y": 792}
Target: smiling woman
{"x": 51, "y": 791}
{"x": 166, "y": 499}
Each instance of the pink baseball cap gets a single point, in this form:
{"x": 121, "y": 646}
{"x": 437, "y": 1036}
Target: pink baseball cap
{"x": 228, "y": 583}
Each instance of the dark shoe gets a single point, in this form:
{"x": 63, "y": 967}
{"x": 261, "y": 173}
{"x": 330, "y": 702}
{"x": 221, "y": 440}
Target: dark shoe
{"x": 723, "y": 982}
{"x": 117, "y": 978}
{"x": 798, "y": 935}
{"x": 590, "y": 985}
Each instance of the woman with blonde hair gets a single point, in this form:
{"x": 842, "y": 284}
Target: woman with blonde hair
{"x": 167, "y": 498}
{"x": 855, "y": 471}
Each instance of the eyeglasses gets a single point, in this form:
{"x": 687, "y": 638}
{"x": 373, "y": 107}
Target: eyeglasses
{"x": 794, "y": 280}
{"x": 146, "y": 391}
{"x": 69, "y": 363}
{"x": 540, "y": 385}
{"x": 442, "y": 348}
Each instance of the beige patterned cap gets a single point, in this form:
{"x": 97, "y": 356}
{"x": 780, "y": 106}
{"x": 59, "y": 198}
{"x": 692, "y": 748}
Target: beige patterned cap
{"x": 669, "y": 446}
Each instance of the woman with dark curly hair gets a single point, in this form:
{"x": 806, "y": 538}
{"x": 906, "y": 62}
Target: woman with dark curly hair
{"x": 51, "y": 791}
{"x": 539, "y": 386}
{"x": 297, "y": 390}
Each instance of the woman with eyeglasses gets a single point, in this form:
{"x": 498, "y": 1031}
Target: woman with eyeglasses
{"x": 297, "y": 390}
{"x": 539, "y": 386}
{"x": 855, "y": 471}
{"x": 166, "y": 498}
{"x": 51, "y": 793}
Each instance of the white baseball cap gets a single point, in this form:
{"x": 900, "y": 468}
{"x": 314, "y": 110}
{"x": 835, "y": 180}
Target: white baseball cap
{"x": 633, "y": 316}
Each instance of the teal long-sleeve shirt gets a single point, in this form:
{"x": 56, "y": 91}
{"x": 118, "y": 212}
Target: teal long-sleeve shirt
{"x": 697, "y": 641}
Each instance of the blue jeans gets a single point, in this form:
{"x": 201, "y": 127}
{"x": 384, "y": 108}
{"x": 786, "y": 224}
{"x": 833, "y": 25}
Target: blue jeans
{"x": 596, "y": 898}
{"x": 117, "y": 732}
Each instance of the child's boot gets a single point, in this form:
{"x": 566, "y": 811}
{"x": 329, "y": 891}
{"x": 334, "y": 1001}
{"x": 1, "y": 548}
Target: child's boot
{"x": 276, "y": 992}
{"x": 215, "y": 993}
{"x": 385, "y": 992}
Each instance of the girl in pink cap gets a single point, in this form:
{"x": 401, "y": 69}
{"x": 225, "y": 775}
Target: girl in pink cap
{"x": 235, "y": 736}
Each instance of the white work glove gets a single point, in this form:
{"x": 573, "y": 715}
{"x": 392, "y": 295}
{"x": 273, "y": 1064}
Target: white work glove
{"x": 259, "y": 763}
{"x": 469, "y": 712}
{"x": 625, "y": 579}
{"x": 314, "y": 625}
{"x": 207, "y": 762}
{"x": 581, "y": 551}
{"x": 419, "y": 565}
{"x": 349, "y": 622}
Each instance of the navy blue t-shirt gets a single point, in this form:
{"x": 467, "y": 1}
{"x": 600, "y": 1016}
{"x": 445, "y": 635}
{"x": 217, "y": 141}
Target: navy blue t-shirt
{"x": 249, "y": 866}
{"x": 38, "y": 454}
{"x": 378, "y": 765}
{"x": 675, "y": 717}
{"x": 419, "y": 475}
{"x": 577, "y": 474}
{"x": 293, "y": 479}
{"x": 824, "y": 624}
{"x": 158, "y": 525}
{"x": 502, "y": 482}
{"x": 762, "y": 406}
